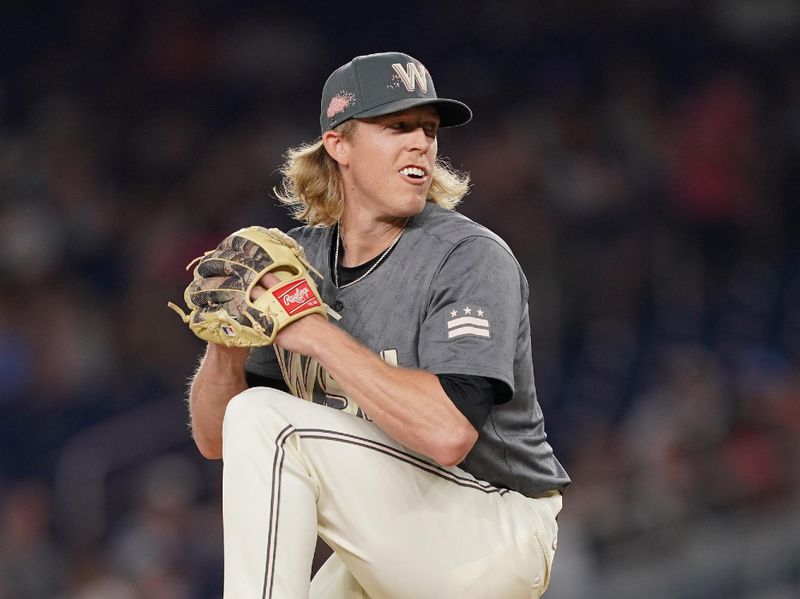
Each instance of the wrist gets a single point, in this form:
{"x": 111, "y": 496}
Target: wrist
{"x": 328, "y": 342}
{"x": 320, "y": 332}
{"x": 226, "y": 361}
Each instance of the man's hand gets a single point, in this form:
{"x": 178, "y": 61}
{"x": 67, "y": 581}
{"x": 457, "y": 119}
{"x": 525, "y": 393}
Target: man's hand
{"x": 302, "y": 335}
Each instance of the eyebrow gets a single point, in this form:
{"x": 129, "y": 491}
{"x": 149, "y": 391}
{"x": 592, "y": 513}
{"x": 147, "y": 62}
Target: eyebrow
{"x": 406, "y": 114}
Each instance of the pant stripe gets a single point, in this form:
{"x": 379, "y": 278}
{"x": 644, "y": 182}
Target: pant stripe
{"x": 436, "y": 470}
{"x": 329, "y": 435}
{"x": 274, "y": 510}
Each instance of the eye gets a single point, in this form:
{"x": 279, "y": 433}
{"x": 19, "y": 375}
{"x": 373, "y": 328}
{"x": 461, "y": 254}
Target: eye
{"x": 430, "y": 128}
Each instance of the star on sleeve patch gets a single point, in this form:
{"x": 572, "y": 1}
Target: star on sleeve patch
{"x": 467, "y": 320}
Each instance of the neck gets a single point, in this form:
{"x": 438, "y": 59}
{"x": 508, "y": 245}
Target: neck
{"x": 363, "y": 240}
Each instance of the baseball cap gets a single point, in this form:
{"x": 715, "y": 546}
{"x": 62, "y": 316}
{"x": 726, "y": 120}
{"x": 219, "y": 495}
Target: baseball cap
{"x": 377, "y": 84}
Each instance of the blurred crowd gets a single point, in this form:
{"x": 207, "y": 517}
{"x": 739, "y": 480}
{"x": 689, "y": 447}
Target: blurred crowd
{"x": 641, "y": 161}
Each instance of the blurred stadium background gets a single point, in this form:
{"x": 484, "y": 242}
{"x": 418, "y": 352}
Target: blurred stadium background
{"x": 640, "y": 157}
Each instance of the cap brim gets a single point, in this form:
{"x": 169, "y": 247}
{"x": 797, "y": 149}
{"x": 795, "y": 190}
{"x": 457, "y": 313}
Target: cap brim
{"x": 451, "y": 112}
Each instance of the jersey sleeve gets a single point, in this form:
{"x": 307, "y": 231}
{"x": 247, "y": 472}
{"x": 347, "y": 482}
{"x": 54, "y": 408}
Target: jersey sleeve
{"x": 475, "y": 306}
{"x": 474, "y": 396}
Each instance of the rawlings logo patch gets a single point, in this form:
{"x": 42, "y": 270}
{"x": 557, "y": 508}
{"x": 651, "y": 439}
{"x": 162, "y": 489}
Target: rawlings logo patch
{"x": 296, "y": 297}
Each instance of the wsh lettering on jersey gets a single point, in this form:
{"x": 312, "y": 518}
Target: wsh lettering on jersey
{"x": 307, "y": 380}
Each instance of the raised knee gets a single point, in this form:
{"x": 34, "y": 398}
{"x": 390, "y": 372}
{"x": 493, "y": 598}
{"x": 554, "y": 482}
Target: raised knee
{"x": 251, "y": 410}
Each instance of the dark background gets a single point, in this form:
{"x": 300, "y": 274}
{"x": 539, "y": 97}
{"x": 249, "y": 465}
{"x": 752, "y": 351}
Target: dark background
{"x": 640, "y": 157}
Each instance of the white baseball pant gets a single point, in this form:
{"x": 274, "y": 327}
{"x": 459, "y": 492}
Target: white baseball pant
{"x": 401, "y": 526}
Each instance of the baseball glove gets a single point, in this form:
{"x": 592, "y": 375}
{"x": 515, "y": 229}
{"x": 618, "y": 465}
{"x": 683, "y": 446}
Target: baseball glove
{"x": 219, "y": 298}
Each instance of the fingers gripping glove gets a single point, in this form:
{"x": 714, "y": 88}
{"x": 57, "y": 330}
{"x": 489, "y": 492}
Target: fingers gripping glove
{"x": 219, "y": 298}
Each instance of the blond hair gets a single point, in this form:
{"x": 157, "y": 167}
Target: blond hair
{"x": 312, "y": 184}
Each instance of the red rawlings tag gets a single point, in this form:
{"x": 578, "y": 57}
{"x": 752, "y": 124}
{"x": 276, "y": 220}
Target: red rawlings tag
{"x": 296, "y": 297}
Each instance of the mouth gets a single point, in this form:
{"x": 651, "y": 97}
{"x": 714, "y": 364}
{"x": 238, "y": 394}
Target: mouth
{"x": 414, "y": 174}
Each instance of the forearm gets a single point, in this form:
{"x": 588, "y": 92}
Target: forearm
{"x": 409, "y": 405}
{"x": 219, "y": 378}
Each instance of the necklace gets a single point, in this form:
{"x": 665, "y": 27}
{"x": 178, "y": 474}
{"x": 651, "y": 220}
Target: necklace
{"x": 371, "y": 268}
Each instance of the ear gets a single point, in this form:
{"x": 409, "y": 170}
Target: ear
{"x": 337, "y": 147}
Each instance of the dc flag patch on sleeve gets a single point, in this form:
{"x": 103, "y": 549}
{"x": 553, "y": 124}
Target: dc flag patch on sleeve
{"x": 477, "y": 301}
{"x": 467, "y": 320}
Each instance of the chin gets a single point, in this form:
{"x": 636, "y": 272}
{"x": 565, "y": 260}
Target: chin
{"x": 413, "y": 206}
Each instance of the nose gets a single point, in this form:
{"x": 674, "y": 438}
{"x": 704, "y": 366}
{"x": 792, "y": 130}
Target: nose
{"x": 419, "y": 140}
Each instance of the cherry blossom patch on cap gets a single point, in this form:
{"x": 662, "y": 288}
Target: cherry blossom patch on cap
{"x": 339, "y": 103}
{"x": 377, "y": 84}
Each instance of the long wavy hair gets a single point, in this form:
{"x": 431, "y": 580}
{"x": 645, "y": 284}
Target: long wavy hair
{"x": 312, "y": 184}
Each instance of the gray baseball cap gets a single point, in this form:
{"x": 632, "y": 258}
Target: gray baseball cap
{"x": 377, "y": 84}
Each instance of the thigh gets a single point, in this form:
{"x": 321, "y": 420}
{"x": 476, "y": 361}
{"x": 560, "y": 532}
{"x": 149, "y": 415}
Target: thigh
{"x": 404, "y": 526}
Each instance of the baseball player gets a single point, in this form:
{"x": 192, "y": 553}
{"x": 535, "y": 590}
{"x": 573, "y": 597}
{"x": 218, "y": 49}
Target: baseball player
{"x": 420, "y": 454}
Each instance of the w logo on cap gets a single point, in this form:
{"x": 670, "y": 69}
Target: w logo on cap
{"x": 412, "y": 75}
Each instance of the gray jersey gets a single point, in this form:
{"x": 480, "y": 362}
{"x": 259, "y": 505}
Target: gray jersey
{"x": 450, "y": 299}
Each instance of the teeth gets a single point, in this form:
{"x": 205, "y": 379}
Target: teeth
{"x": 413, "y": 171}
